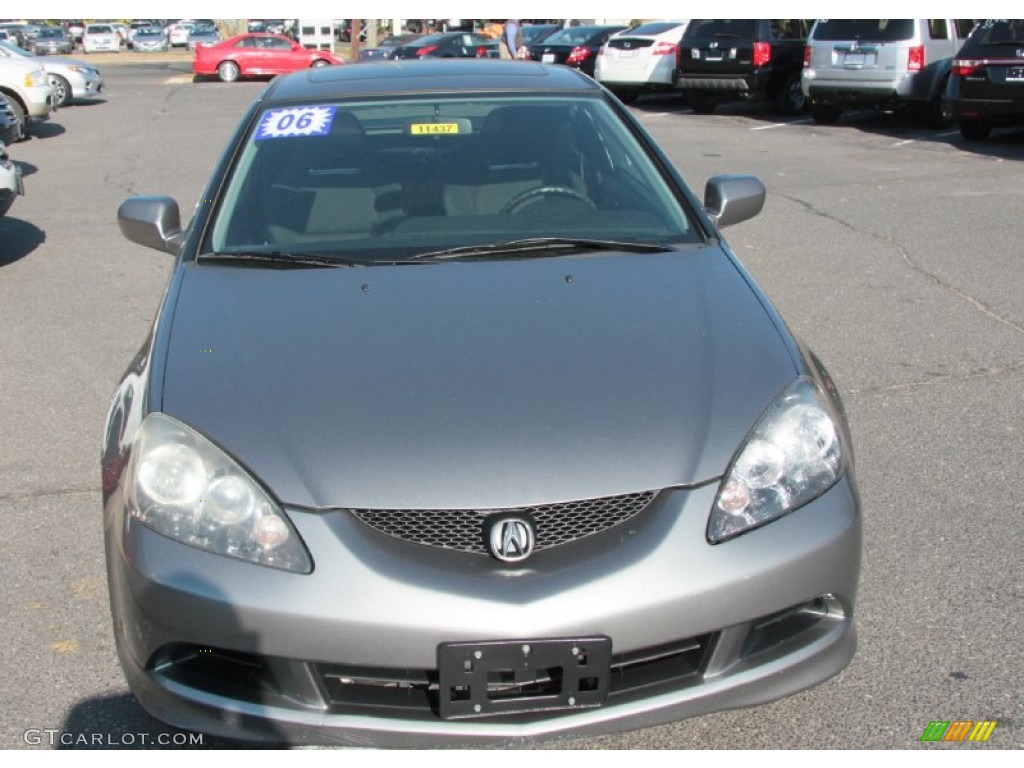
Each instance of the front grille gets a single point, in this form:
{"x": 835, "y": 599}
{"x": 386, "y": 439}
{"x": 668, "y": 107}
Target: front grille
{"x": 465, "y": 529}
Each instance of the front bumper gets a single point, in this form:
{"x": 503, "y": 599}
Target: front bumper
{"x": 39, "y": 101}
{"x": 740, "y": 623}
{"x": 86, "y": 87}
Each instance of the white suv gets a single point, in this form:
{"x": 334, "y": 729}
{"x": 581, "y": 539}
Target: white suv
{"x": 27, "y": 89}
{"x": 886, "y": 63}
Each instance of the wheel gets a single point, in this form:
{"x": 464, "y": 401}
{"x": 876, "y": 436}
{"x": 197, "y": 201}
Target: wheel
{"x": 825, "y": 114}
{"x": 19, "y": 114}
{"x": 975, "y": 130}
{"x": 791, "y": 99}
{"x": 321, "y": 63}
{"x": 228, "y": 71}
{"x": 523, "y": 199}
{"x": 702, "y": 103}
{"x": 61, "y": 90}
{"x": 939, "y": 111}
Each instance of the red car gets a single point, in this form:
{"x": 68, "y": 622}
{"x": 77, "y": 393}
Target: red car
{"x": 257, "y": 54}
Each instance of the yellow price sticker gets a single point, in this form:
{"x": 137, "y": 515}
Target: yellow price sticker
{"x": 432, "y": 129}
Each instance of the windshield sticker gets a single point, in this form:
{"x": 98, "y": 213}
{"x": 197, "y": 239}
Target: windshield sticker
{"x": 433, "y": 129}
{"x": 295, "y": 121}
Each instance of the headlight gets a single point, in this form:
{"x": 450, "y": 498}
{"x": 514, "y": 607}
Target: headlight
{"x": 184, "y": 487}
{"x": 81, "y": 70}
{"x": 791, "y": 457}
{"x": 35, "y": 78}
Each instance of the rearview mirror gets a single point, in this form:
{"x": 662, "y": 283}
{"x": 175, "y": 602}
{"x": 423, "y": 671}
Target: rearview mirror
{"x": 152, "y": 221}
{"x": 732, "y": 199}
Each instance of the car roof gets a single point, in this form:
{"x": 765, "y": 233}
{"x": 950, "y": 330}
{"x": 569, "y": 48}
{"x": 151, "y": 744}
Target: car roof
{"x": 432, "y": 76}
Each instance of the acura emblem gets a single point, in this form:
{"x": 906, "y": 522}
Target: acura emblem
{"x": 511, "y": 539}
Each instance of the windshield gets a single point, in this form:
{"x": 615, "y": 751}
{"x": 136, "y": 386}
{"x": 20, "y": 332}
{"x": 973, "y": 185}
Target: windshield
{"x": 11, "y": 48}
{"x": 388, "y": 179}
{"x": 994, "y": 32}
{"x": 98, "y": 29}
{"x": 703, "y": 29}
{"x": 868, "y": 30}
{"x": 574, "y": 36}
{"x": 51, "y": 32}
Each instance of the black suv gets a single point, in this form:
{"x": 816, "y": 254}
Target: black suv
{"x": 986, "y": 83}
{"x": 757, "y": 59}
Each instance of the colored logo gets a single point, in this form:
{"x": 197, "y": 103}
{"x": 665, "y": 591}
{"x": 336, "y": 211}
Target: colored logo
{"x": 958, "y": 730}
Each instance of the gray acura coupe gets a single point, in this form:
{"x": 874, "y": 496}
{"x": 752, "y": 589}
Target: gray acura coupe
{"x": 460, "y": 423}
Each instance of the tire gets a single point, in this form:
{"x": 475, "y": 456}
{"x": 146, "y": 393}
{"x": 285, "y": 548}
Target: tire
{"x": 228, "y": 71}
{"x": 975, "y": 130}
{"x": 939, "y": 112}
{"x": 791, "y": 100}
{"x": 320, "y": 63}
{"x": 701, "y": 103}
{"x": 825, "y": 114}
{"x": 62, "y": 91}
{"x": 19, "y": 115}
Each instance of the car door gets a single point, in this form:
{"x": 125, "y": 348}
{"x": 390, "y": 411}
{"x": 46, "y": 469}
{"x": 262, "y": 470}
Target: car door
{"x": 280, "y": 56}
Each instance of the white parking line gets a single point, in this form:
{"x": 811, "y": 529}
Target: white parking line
{"x": 178, "y": 79}
{"x": 781, "y": 125}
{"x": 945, "y": 135}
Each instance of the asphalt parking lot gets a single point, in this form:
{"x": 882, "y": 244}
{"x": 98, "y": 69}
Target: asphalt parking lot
{"x": 892, "y": 249}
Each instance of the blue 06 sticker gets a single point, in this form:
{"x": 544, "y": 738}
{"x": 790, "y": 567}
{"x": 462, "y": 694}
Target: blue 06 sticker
{"x": 295, "y": 121}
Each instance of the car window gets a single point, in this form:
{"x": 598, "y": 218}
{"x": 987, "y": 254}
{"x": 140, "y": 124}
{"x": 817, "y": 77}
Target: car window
{"x": 277, "y": 44}
{"x": 385, "y": 179}
{"x": 574, "y": 36}
{"x": 720, "y": 28}
{"x": 995, "y": 32}
{"x": 98, "y": 29}
{"x": 868, "y": 30}
{"x": 787, "y": 29}
{"x": 938, "y": 29}
{"x": 963, "y": 27}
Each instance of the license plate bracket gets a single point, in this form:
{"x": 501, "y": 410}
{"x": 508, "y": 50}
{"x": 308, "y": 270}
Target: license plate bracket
{"x": 1015, "y": 74}
{"x": 504, "y": 677}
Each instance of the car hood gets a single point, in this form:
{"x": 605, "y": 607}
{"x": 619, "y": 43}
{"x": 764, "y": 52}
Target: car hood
{"x": 475, "y": 384}
{"x": 62, "y": 62}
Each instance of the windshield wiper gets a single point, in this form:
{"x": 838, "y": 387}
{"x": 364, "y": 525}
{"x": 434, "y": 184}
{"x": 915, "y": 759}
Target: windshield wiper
{"x": 283, "y": 258}
{"x": 538, "y": 246}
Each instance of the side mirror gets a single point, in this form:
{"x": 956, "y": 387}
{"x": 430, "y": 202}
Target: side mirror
{"x": 152, "y": 221}
{"x": 732, "y": 199}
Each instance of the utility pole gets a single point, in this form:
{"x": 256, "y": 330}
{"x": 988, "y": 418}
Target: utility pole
{"x": 357, "y": 28}
{"x": 371, "y": 33}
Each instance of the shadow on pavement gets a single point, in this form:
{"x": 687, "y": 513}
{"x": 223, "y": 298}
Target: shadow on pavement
{"x": 27, "y": 169}
{"x": 18, "y": 238}
{"x": 46, "y": 130}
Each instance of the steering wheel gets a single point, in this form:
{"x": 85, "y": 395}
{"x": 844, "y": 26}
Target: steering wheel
{"x": 520, "y": 201}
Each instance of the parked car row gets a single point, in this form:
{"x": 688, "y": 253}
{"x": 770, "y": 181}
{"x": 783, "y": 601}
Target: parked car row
{"x": 32, "y": 88}
{"x": 940, "y": 69}
{"x": 796, "y": 65}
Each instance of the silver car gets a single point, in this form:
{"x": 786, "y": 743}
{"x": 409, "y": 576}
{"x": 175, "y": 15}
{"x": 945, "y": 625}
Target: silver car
{"x": 460, "y": 423}
{"x": 71, "y": 78}
{"x": 882, "y": 63}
